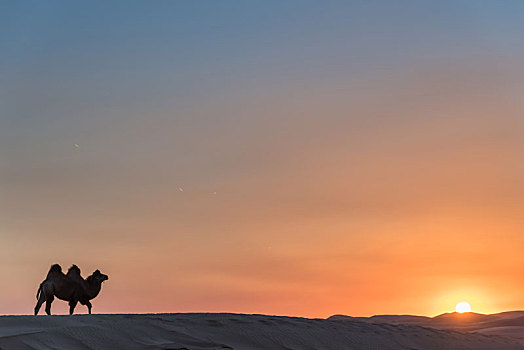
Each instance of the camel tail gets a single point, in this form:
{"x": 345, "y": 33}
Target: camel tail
{"x": 39, "y": 291}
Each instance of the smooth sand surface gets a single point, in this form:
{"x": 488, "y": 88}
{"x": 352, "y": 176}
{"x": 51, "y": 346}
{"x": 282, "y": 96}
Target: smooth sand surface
{"x": 229, "y": 331}
{"x": 508, "y": 324}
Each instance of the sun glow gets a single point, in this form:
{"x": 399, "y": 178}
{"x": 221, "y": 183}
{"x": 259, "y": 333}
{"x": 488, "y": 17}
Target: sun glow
{"x": 463, "y": 307}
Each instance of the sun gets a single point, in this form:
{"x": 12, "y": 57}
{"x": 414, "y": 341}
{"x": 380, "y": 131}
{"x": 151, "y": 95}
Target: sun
{"x": 463, "y": 307}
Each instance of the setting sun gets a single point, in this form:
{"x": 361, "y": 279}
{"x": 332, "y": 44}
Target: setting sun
{"x": 463, "y": 307}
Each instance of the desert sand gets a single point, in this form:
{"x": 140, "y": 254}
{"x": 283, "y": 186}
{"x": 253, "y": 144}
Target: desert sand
{"x": 232, "y": 331}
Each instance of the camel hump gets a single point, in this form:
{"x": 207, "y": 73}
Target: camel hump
{"x": 73, "y": 270}
{"x": 55, "y": 268}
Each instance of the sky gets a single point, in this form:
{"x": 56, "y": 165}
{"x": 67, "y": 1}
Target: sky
{"x": 303, "y": 158}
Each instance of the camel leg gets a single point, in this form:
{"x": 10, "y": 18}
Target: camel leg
{"x": 72, "y": 305}
{"x": 89, "y": 306}
{"x": 39, "y": 303}
{"x": 48, "y": 302}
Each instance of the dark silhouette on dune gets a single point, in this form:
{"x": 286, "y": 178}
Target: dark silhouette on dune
{"x": 71, "y": 287}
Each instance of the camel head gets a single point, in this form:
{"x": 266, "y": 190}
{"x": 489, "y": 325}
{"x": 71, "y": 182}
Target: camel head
{"x": 98, "y": 276}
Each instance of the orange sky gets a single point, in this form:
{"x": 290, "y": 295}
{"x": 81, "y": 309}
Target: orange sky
{"x": 391, "y": 187}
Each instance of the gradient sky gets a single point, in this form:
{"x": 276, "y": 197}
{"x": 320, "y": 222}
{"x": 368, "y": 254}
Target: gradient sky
{"x": 280, "y": 157}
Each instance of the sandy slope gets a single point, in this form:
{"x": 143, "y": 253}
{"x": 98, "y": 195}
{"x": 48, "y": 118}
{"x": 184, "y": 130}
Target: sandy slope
{"x": 227, "y": 331}
{"x": 507, "y": 324}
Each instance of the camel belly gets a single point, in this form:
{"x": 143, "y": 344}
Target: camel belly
{"x": 64, "y": 296}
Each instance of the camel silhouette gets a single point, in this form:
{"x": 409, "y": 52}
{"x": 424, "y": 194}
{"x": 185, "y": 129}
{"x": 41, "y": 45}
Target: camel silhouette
{"x": 70, "y": 287}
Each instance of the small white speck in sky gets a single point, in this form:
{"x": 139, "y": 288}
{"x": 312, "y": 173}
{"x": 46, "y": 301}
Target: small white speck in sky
{"x": 215, "y": 192}
{"x": 77, "y": 146}
{"x": 181, "y": 189}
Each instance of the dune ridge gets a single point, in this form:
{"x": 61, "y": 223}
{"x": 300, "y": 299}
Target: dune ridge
{"x": 508, "y": 324}
{"x": 199, "y": 331}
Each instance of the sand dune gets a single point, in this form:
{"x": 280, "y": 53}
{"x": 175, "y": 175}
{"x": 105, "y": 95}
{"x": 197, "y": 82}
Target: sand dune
{"x": 508, "y": 324}
{"x": 229, "y": 331}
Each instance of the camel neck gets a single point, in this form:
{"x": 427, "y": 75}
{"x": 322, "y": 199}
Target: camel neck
{"x": 93, "y": 289}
